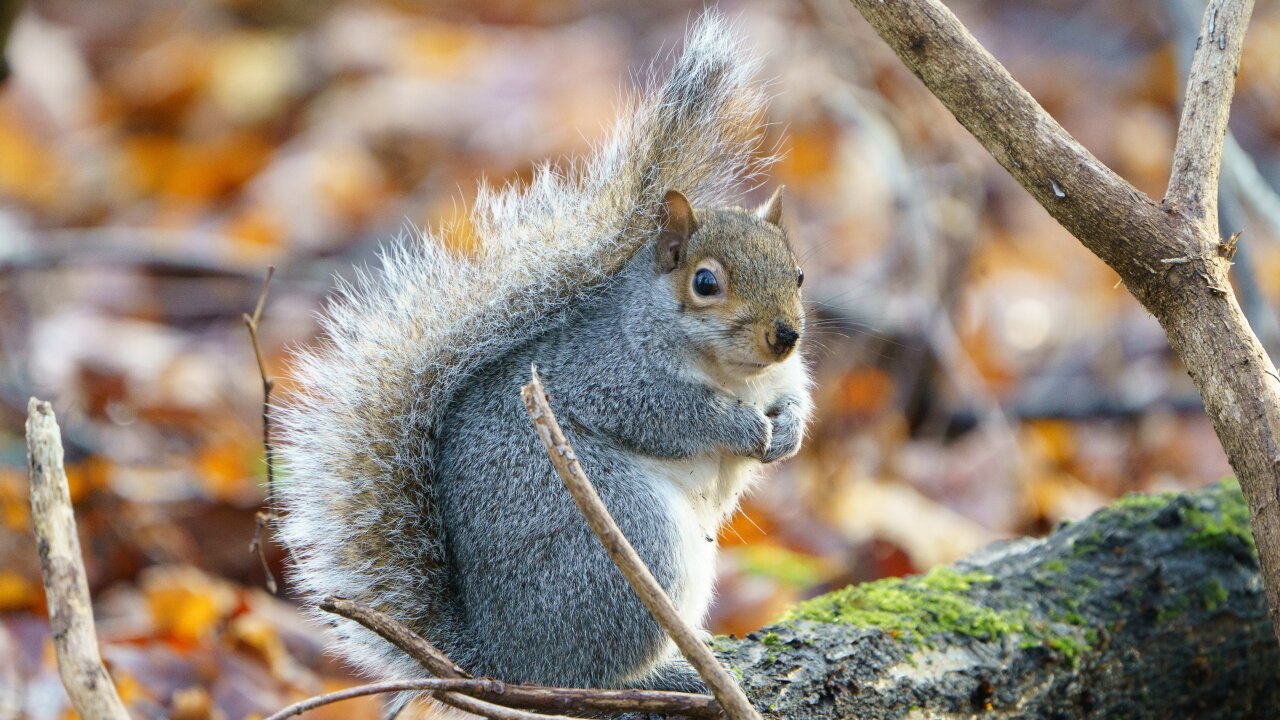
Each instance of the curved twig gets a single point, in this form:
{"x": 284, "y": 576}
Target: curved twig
{"x": 396, "y": 633}
{"x": 263, "y": 518}
{"x": 378, "y": 688}
{"x": 527, "y": 697}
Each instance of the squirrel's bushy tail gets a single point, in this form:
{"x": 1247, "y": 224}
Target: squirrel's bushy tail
{"x": 356, "y": 437}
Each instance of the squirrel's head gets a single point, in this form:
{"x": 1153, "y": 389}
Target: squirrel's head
{"x": 736, "y": 282}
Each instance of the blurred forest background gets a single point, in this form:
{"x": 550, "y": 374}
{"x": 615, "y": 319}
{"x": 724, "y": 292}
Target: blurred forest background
{"x": 981, "y": 374}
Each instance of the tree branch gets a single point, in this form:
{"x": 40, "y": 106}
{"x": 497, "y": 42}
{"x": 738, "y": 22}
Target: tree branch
{"x": 1078, "y": 190}
{"x": 722, "y": 685}
{"x": 66, "y": 588}
{"x": 1197, "y": 157}
{"x": 1168, "y": 255}
{"x": 526, "y": 697}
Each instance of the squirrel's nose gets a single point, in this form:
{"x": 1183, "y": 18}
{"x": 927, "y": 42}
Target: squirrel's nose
{"x": 781, "y": 338}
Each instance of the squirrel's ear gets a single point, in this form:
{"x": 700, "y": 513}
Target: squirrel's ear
{"x": 678, "y": 225}
{"x": 771, "y": 211}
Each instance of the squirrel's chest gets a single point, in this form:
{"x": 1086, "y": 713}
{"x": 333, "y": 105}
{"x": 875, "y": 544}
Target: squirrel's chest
{"x": 699, "y": 494}
{"x": 708, "y": 485}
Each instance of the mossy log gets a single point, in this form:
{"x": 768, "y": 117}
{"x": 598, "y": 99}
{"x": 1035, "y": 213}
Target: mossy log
{"x": 1152, "y": 608}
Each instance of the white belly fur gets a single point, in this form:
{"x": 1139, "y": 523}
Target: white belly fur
{"x": 702, "y": 492}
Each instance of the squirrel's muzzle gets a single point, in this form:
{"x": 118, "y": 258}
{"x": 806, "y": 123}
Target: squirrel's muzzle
{"x": 781, "y": 339}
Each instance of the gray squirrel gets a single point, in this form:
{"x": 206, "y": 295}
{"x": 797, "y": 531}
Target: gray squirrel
{"x": 669, "y": 340}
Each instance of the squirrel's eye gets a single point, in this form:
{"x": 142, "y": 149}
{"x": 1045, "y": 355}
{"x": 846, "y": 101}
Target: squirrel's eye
{"x": 705, "y": 283}
{"x": 799, "y": 277}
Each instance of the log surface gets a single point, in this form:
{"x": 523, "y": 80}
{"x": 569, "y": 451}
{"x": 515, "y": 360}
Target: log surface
{"x": 1152, "y": 608}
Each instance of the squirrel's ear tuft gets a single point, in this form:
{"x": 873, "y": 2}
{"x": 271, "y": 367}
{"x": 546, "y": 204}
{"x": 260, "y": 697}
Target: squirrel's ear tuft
{"x": 771, "y": 211}
{"x": 678, "y": 225}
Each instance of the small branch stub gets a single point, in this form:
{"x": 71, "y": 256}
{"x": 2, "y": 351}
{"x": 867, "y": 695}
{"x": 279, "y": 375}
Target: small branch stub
{"x": 731, "y": 698}
{"x": 66, "y": 588}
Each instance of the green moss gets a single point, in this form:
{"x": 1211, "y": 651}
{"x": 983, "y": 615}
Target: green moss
{"x": 1214, "y": 595}
{"x": 1055, "y": 566}
{"x": 1071, "y": 617}
{"x": 914, "y": 609}
{"x": 771, "y": 639}
{"x": 1143, "y": 502}
{"x": 1068, "y": 646}
{"x": 1087, "y": 544}
{"x": 1226, "y": 527}
{"x": 1174, "y": 609}
{"x": 917, "y": 609}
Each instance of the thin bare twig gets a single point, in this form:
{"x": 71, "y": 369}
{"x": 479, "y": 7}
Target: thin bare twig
{"x": 378, "y": 688}
{"x": 431, "y": 685}
{"x": 396, "y": 633}
{"x": 491, "y": 710}
{"x": 1242, "y": 185}
{"x": 66, "y": 588}
{"x": 527, "y": 697}
{"x": 1197, "y": 156}
{"x": 722, "y": 685}
{"x": 264, "y": 517}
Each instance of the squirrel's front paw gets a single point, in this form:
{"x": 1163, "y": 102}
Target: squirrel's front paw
{"x": 752, "y": 434}
{"x": 787, "y": 420}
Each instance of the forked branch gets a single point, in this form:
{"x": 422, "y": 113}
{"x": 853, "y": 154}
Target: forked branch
{"x": 1168, "y": 254}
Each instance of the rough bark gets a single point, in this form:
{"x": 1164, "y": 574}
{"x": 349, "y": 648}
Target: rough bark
{"x": 1168, "y": 253}
{"x": 66, "y": 589}
{"x": 1149, "y": 609}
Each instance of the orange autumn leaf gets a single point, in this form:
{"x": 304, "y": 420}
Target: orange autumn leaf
{"x": 87, "y": 476}
{"x": 1054, "y": 440}
{"x": 161, "y": 164}
{"x": 15, "y": 509}
{"x": 255, "y": 634}
{"x": 440, "y": 49}
{"x": 18, "y": 593}
{"x": 185, "y": 603}
{"x": 225, "y": 469}
{"x": 258, "y": 227}
{"x": 866, "y": 391}
{"x": 29, "y": 171}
